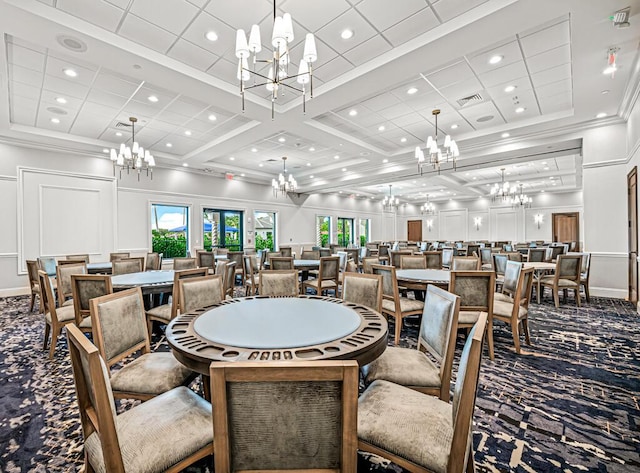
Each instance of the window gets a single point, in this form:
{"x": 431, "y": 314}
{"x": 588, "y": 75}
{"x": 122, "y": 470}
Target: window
{"x": 365, "y": 225}
{"x": 222, "y": 229}
{"x": 170, "y": 230}
{"x": 265, "y": 230}
{"x": 345, "y": 231}
{"x": 323, "y": 231}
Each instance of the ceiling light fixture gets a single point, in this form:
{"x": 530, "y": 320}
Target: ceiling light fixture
{"x": 520, "y": 109}
{"x": 502, "y": 190}
{"x": 284, "y": 184}
{"x": 454, "y": 126}
{"x": 521, "y": 200}
{"x": 346, "y": 34}
{"x": 275, "y": 80}
{"x": 427, "y": 208}
{"x": 134, "y": 157}
{"x": 70, "y": 72}
{"x": 152, "y": 98}
{"x": 435, "y": 155}
{"x": 211, "y": 36}
{"x": 390, "y": 203}
{"x": 510, "y": 88}
{"x": 212, "y": 117}
{"x": 381, "y": 128}
{"x": 412, "y": 90}
{"x": 495, "y": 59}
{"x": 353, "y": 113}
{"x": 61, "y": 100}
{"x": 505, "y": 135}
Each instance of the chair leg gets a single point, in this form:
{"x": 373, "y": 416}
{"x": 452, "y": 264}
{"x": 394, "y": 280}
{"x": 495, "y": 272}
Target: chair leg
{"x": 54, "y": 340}
{"x": 525, "y": 329}
{"x": 586, "y": 292}
{"x": 577, "y": 293}
{"x": 564, "y": 295}
{"x": 556, "y": 297}
{"x": 539, "y": 291}
{"x": 490, "y": 337}
{"x": 398, "y": 330}
{"x": 516, "y": 337}
{"x": 150, "y": 327}
{"x": 47, "y": 329}
{"x": 471, "y": 465}
{"x": 33, "y": 301}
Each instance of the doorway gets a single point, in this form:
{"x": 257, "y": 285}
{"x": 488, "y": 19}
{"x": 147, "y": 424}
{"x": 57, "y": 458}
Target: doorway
{"x": 566, "y": 228}
{"x": 414, "y": 230}
{"x": 222, "y": 229}
{"x": 632, "y": 209}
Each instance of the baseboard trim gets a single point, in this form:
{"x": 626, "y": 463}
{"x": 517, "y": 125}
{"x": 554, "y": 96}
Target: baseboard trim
{"x": 608, "y": 292}
{"x": 15, "y": 291}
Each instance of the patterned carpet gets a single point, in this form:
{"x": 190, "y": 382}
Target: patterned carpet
{"x": 569, "y": 403}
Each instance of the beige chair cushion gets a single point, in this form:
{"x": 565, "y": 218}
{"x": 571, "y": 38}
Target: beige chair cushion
{"x": 86, "y": 323}
{"x": 548, "y": 281}
{"x": 499, "y": 296}
{"x": 161, "y": 312}
{"x": 67, "y": 302}
{"x": 468, "y": 317}
{"x": 64, "y": 313}
{"x": 407, "y": 423}
{"x": 504, "y": 309}
{"x": 158, "y": 433}
{"x": 151, "y": 373}
{"x": 406, "y": 305}
{"x": 405, "y": 366}
{"x": 326, "y": 284}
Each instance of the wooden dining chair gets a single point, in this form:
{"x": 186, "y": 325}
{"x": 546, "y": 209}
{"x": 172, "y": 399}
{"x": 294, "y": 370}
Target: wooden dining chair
{"x": 55, "y": 318}
{"x": 434, "y": 259}
{"x": 48, "y": 265}
{"x": 363, "y": 289}
{"x": 282, "y": 283}
{"x": 127, "y": 266}
{"x": 205, "y": 259}
{"x": 63, "y": 276}
{"x": 199, "y": 292}
{"x": 229, "y": 279}
{"x": 250, "y": 275}
{"x": 486, "y": 259}
{"x": 34, "y": 285}
{"x": 286, "y": 251}
{"x": 566, "y": 277}
{"x": 395, "y": 257}
{"x": 447, "y": 257}
{"x": 166, "y": 433}
{"x": 367, "y": 264}
{"x": 80, "y": 257}
{"x": 152, "y": 262}
{"x": 466, "y": 263}
{"x": 85, "y": 287}
{"x": 280, "y": 262}
{"x": 184, "y": 263}
{"x": 413, "y": 262}
{"x": 116, "y": 256}
{"x": 327, "y": 279}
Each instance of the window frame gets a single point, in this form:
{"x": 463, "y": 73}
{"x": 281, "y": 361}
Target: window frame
{"x": 188, "y": 206}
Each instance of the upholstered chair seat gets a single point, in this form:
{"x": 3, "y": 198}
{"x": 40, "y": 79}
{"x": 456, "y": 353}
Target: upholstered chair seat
{"x": 65, "y": 313}
{"x": 468, "y": 317}
{"x": 150, "y": 374}
{"x": 161, "y": 312}
{"x": 561, "y": 282}
{"x": 68, "y": 302}
{"x": 406, "y": 367}
{"x": 504, "y": 309}
{"x": 406, "y": 305}
{"x": 499, "y": 296}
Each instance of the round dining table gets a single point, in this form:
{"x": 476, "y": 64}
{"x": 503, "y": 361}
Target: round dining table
{"x": 151, "y": 282}
{"x": 262, "y": 328}
{"x": 103, "y": 267}
{"x": 302, "y": 265}
{"x": 423, "y": 277}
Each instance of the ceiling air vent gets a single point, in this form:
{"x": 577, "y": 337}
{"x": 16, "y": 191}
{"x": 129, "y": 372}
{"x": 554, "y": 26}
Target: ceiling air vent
{"x": 470, "y": 100}
{"x": 123, "y": 125}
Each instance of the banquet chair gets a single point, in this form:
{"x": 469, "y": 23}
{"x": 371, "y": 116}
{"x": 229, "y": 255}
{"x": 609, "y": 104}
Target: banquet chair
{"x": 413, "y": 367}
{"x": 367, "y": 264}
{"x": 514, "y": 256}
{"x": 383, "y": 254}
{"x": 199, "y": 292}
{"x": 310, "y": 254}
{"x": 353, "y": 254}
{"x": 322, "y": 252}
{"x": 166, "y": 433}
{"x": 220, "y": 251}
{"x": 413, "y": 262}
{"x": 117, "y": 256}
{"x": 486, "y": 258}
{"x": 473, "y": 250}
{"x": 286, "y": 251}
{"x": 63, "y": 276}
{"x": 34, "y": 284}
{"x": 515, "y": 312}
{"x": 327, "y": 279}
{"x": 236, "y": 257}
{"x": 85, "y": 287}
{"x": 393, "y": 304}
{"x": 476, "y": 291}
{"x": 584, "y": 273}
{"x": 536, "y": 255}
{"x": 229, "y": 279}
{"x": 423, "y": 433}
{"x": 48, "y": 265}
{"x": 466, "y": 263}
{"x": 250, "y": 275}
{"x": 302, "y": 412}
{"x": 165, "y": 313}
{"x": 280, "y": 282}
{"x": 55, "y": 319}
{"x": 509, "y": 283}
{"x": 83, "y": 257}
{"x": 395, "y": 257}
{"x": 555, "y": 252}
{"x": 205, "y": 259}
{"x": 500, "y": 266}
{"x": 363, "y": 289}
{"x": 220, "y": 265}
{"x": 447, "y": 257}
{"x": 184, "y": 263}
{"x": 152, "y": 262}
{"x": 127, "y": 266}
{"x": 280, "y": 262}
{"x": 567, "y": 276}
{"x": 433, "y": 258}
{"x": 119, "y": 331}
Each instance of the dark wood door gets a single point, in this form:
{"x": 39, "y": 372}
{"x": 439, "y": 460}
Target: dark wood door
{"x": 566, "y": 227}
{"x": 632, "y": 206}
{"x": 414, "y": 230}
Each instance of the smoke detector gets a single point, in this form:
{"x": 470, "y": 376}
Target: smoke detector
{"x": 621, "y": 18}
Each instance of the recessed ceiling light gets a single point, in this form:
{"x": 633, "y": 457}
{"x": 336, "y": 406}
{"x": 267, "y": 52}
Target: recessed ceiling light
{"x": 508, "y": 174}
{"x": 242, "y": 175}
{"x": 339, "y": 192}
{"x": 601, "y": 115}
{"x": 385, "y": 160}
{"x": 61, "y": 100}
{"x": 544, "y": 162}
{"x": 495, "y": 59}
{"x": 260, "y": 165}
{"x": 520, "y": 109}
{"x": 186, "y": 165}
{"x": 336, "y": 157}
{"x": 308, "y": 164}
{"x": 412, "y": 91}
{"x": 381, "y": 128}
{"x": 231, "y": 158}
{"x": 152, "y": 98}
{"x": 168, "y": 145}
{"x": 510, "y": 88}
{"x": 546, "y": 168}
{"x": 474, "y": 178}
{"x": 118, "y": 133}
{"x": 344, "y": 169}
{"x": 55, "y": 120}
{"x": 212, "y": 117}
{"x": 403, "y": 140}
{"x": 254, "y": 150}
{"x": 312, "y": 149}
{"x": 105, "y": 150}
{"x": 211, "y": 36}
{"x": 70, "y": 72}
{"x": 187, "y": 132}
{"x": 552, "y": 178}
{"x": 353, "y": 113}
{"x": 311, "y": 176}
{"x": 346, "y": 34}
{"x": 505, "y": 135}
{"x": 282, "y": 139}
{"x": 454, "y": 126}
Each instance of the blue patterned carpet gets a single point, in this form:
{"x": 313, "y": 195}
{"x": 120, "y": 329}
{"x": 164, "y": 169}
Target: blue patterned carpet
{"x": 569, "y": 403}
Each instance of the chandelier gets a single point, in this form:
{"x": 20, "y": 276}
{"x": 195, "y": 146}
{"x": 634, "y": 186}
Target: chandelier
{"x": 502, "y": 190}
{"x": 274, "y": 81}
{"x": 390, "y": 203}
{"x": 284, "y": 184}
{"x": 433, "y": 154}
{"x": 521, "y": 199}
{"x": 134, "y": 157}
{"x": 427, "y": 208}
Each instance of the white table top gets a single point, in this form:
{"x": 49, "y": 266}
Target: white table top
{"x": 423, "y": 275}
{"x": 540, "y": 265}
{"x": 144, "y": 278}
{"x": 102, "y": 265}
{"x": 303, "y": 263}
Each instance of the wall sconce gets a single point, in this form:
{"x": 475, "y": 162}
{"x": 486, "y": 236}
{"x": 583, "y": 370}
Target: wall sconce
{"x": 429, "y": 224}
{"x": 477, "y": 221}
{"x": 538, "y": 220}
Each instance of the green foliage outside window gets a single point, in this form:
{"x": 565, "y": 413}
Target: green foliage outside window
{"x": 264, "y": 243}
{"x": 363, "y": 240}
{"x": 171, "y": 245}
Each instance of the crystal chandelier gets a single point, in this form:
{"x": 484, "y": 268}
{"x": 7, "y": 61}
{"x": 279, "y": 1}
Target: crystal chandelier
{"x": 433, "y": 154}
{"x": 521, "y": 199}
{"x": 134, "y": 157}
{"x": 427, "y": 208}
{"x": 274, "y": 81}
{"x": 284, "y": 184}
{"x": 390, "y": 203}
{"x": 502, "y": 190}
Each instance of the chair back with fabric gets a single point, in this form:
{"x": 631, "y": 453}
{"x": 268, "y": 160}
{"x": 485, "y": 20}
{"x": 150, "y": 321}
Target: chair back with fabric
{"x": 236, "y": 257}
{"x": 323, "y": 252}
{"x": 354, "y": 254}
{"x": 85, "y": 287}
{"x": 178, "y": 276}
{"x": 282, "y": 283}
{"x": 250, "y": 274}
{"x": 34, "y": 284}
{"x": 383, "y": 251}
{"x": 229, "y": 278}
{"x": 199, "y": 292}
{"x": 389, "y": 281}
{"x": 364, "y": 252}
{"x": 342, "y": 255}
{"x": 286, "y": 251}
{"x": 514, "y": 256}
{"x": 314, "y": 430}
{"x": 48, "y": 265}
{"x": 512, "y": 272}
{"x": 466, "y": 263}
{"x": 205, "y": 259}
{"x": 83, "y": 257}
{"x": 507, "y": 247}
{"x": 447, "y": 257}
{"x": 568, "y": 267}
{"x": 152, "y": 262}
{"x": 363, "y": 289}
{"x": 413, "y": 262}
{"x": 536, "y": 255}
{"x": 117, "y": 256}
{"x": 310, "y": 254}
{"x": 486, "y": 257}
{"x": 433, "y": 259}
{"x": 367, "y": 263}
{"x": 127, "y": 266}
{"x": 55, "y": 319}
{"x": 329, "y": 268}
{"x": 394, "y": 257}
{"x": 220, "y": 251}
{"x": 184, "y": 263}
{"x": 220, "y": 265}
{"x": 500, "y": 263}
{"x": 280, "y": 262}
{"x": 63, "y": 278}
{"x": 351, "y": 266}
{"x": 473, "y": 250}
{"x": 584, "y": 273}
{"x": 556, "y": 251}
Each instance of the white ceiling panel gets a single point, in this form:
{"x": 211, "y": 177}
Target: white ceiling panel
{"x": 25, "y": 57}
{"x": 50, "y": 98}
{"x": 480, "y": 111}
{"x": 330, "y": 33}
{"x": 65, "y": 87}
{"x": 173, "y": 16}
{"x": 224, "y": 70}
{"x": 315, "y": 15}
{"x": 119, "y": 3}
{"x": 548, "y": 59}
{"x": 451, "y": 74}
{"x": 498, "y": 91}
{"x": 56, "y": 67}
{"x": 383, "y": 17}
{"x": 192, "y": 55}
{"x": 549, "y": 76}
{"x": 24, "y": 90}
{"x": 461, "y": 89}
{"x": 546, "y": 39}
{"x": 241, "y": 13}
{"x": 448, "y": 9}
{"x": 332, "y": 69}
{"x": 413, "y": 26}
{"x": 23, "y": 110}
{"x": 115, "y": 84}
{"x": 204, "y": 23}
{"x": 508, "y": 104}
{"x": 367, "y": 50}
{"x": 97, "y": 12}
{"x": 556, "y": 103}
{"x": 99, "y": 110}
{"x": 504, "y": 74}
{"x": 141, "y": 31}
{"x": 554, "y": 88}
{"x": 510, "y": 53}
{"x": 105, "y": 98}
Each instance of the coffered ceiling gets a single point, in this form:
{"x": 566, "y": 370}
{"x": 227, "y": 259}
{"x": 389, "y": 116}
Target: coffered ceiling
{"x": 373, "y": 93}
